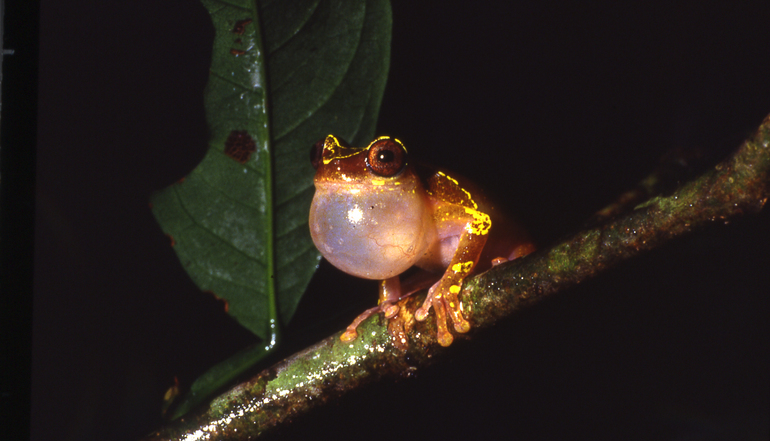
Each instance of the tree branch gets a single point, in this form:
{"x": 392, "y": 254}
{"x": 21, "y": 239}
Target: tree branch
{"x": 330, "y": 368}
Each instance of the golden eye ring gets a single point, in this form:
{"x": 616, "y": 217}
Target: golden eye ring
{"x": 386, "y": 157}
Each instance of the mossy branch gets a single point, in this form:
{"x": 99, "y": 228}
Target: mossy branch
{"x": 329, "y": 369}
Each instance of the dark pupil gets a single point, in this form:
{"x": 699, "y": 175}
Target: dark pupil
{"x": 385, "y": 156}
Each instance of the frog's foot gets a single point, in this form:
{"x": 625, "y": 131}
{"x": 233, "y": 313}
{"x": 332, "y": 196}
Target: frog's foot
{"x": 350, "y": 333}
{"x": 521, "y": 251}
{"x": 388, "y": 308}
{"x": 446, "y": 305}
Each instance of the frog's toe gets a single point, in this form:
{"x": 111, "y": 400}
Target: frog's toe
{"x": 455, "y": 309}
{"x": 390, "y": 310}
{"x": 445, "y": 338}
{"x": 350, "y": 333}
{"x": 422, "y": 312}
{"x": 498, "y": 260}
{"x": 348, "y": 336}
{"x": 462, "y": 326}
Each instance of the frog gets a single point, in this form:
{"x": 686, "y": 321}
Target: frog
{"x": 375, "y": 214}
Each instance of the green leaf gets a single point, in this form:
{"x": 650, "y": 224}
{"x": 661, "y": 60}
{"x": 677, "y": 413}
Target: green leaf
{"x": 238, "y": 222}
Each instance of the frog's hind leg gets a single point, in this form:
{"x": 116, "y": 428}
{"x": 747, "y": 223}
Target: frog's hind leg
{"x": 521, "y": 250}
{"x": 421, "y": 279}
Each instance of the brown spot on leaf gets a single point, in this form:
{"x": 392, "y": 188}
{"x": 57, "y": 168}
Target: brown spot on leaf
{"x": 240, "y": 146}
{"x": 237, "y": 52}
{"x": 171, "y": 239}
{"x": 240, "y": 26}
{"x": 226, "y": 305}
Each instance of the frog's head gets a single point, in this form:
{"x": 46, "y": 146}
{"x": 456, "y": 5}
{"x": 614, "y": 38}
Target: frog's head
{"x": 369, "y": 216}
{"x": 383, "y": 160}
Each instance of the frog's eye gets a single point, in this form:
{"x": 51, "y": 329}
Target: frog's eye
{"x": 387, "y": 157}
{"x": 316, "y": 153}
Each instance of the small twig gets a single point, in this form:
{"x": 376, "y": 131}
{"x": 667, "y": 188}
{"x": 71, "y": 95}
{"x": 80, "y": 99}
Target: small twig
{"x": 675, "y": 166}
{"x": 330, "y": 368}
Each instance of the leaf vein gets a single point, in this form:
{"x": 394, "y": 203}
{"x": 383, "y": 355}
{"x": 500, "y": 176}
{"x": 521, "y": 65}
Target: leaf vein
{"x": 209, "y": 231}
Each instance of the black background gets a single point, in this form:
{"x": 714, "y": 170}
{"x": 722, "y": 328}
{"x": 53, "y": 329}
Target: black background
{"x": 555, "y": 109}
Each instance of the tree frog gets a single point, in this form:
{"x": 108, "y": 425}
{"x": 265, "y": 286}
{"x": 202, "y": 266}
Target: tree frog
{"x": 375, "y": 214}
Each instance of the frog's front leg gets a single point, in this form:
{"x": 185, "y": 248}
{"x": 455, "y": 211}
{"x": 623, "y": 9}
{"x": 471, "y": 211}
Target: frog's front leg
{"x": 443, "y": 295}
{"x": 390, "y": 293}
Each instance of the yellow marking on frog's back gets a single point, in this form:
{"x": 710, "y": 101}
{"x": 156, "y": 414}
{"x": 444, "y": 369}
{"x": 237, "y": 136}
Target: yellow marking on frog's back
{"x": 462, "y": 195}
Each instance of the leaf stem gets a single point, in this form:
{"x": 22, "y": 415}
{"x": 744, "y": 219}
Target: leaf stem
{"x": 265, "y": 141}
